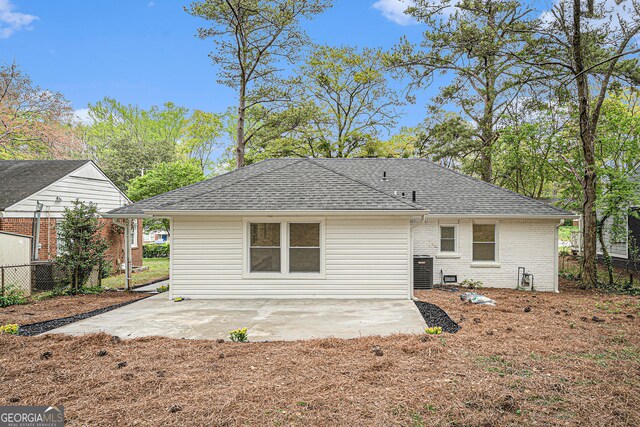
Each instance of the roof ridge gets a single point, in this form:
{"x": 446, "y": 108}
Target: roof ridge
{"x": 288, "y": 164}
{"x": 491, "y": 185}
{"x": 393, "y": 196}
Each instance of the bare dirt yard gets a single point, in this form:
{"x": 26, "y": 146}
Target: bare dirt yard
{"x": 534, "y": 359}
{"x": 62, "y": 306}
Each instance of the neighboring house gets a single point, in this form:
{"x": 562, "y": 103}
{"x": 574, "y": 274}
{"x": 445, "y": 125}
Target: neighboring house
{"x": 348, "y": 228}
{"x": 156, "y": 236}
{"x": 623, "y": 245}
{"x": 34, "y": 194}
{"x": 623, "y": 241}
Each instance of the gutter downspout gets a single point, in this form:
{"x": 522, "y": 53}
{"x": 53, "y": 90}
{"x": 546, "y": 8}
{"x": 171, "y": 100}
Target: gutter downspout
{"x": 411, "y": 228}
{"x": 127, "y": 254}
{"x": 36, "y": 231}
{"x": 556, "y": 271}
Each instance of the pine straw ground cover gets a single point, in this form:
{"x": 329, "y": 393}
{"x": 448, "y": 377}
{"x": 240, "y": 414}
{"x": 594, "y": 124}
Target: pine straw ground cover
{"x": 63, "y": 306}
{"x": 535, "y": 359}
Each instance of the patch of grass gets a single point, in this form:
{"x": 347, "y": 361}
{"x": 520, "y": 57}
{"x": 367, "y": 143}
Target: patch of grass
{"x": 501, "y": 366}
{"x": 564, "y": 232}
{"x": 158, "y": 269}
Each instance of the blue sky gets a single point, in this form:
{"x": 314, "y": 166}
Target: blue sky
{"x": 145, "y": 51}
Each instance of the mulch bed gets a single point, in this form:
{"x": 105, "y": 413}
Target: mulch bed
{"x": 63, "y": 306}
{"x": 435, "y": 316}
{"x": 533, "y": 359}
{"x": 42, "y": 327}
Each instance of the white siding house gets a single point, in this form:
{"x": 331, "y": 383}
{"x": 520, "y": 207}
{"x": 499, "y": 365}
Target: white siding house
{"x": 86, "y": 183}
{"x": 338, "y": 228}
{"x": 361, "y": 258}
{"x": 35, "y": 193}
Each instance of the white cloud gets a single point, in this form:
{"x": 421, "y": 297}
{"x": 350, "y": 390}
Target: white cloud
{"x": 11, "y": 21}
{"x": 82, "y": 116}
{"x": 393, "y": 10}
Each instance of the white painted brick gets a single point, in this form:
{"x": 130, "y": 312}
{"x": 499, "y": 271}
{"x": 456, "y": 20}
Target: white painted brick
{"x": 521, "y": 243}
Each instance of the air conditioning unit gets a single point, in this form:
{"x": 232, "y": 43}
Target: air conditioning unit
{"x": 422, "y": 272}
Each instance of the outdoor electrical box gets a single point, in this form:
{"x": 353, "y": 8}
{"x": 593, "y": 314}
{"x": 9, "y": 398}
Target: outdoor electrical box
{"x": 422, "y": 272}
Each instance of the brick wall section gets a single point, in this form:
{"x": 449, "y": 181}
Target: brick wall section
{"x": 521, "y": 243}
{"x": 48, "y": 240}
{"x": 115, "y": 237}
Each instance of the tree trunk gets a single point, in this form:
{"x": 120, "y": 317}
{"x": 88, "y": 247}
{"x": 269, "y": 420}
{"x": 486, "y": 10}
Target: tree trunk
{"x": 606, "y": 258}
{"x": 587, "y": 137}
{"x": 240, "y": 143}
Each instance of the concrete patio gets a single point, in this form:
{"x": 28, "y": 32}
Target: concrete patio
{"x": 267, "y": 320}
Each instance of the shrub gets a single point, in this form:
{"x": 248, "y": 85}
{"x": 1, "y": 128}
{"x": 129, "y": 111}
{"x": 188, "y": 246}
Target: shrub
{"x": 91, "y": 290}
{"x": 471, "y": 284}
{"x": 239, "y": 335}
{"x": 12, "y": 296}
{"x": 152, "y": 250}
{"x": 10, "y": 329}
{"x": 106, "y": 269}
{"x": 82, "y": 245}
{"x": 434, "y": 330}
{"x": 163, "y": 288}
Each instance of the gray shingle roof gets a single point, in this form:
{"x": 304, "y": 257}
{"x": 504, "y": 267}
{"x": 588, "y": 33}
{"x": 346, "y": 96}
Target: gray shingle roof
{"x": 345, "y": 184}
{"x": 20, "y": 179}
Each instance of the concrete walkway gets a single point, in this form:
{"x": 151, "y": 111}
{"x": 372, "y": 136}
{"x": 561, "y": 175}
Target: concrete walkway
{"x": 267, "y": 320}
{"x": 152, "y": 287}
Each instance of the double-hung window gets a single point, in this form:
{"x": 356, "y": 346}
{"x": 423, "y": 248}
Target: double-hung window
{"x": 484, "y": 242}
{"x": 264, "y": 249}
{"x": 284, "y": 247}
{"x": 304, "y": 247}
{"x": 447, "y": 238}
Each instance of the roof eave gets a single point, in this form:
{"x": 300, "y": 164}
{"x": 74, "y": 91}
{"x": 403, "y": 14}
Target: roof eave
{"x": 254, "y": 212}
{"x": 508, "y": 216}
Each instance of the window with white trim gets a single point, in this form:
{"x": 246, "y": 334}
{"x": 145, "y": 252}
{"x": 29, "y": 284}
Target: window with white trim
{"x": 447, "y": 238}
{"x": 134, "y": 233}
{"x": 304, "y": 247}
{"x": 484, "y": 242}
{"x": 284, "y": 248}
{"x": 264, "y": 247}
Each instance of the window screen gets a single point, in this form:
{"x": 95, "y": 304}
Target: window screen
{"x": 447, "y": 239}
{"x": 484, "y": 242}
{"x": 265, "y": 247}
{"x": 304, "y": 248}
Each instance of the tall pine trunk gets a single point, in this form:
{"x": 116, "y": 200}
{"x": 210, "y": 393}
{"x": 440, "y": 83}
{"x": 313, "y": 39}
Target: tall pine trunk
{"x": 587, "y": 137}
{"x": 240, "y": 143}
{"x": 606, "y": 257}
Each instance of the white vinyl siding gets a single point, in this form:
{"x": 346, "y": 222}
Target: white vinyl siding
{"x": 86, "y": 184}
{"x": 616, "y": 245}
{"x": 365, "y": 257}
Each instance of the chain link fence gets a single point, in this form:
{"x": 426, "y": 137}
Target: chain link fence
{"x": 37, "y": 277}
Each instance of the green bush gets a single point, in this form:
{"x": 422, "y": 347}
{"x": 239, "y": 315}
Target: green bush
{"x": 239, "y": 335}
{"x": 106, "y": 268}
{"x": 12, "y": 296}
{"x": 91, "y": 290}
{"x": 471, "y": 284}
{"x": 153, "y": 250}
{"x": 162, "y": 288}
{"x": 11, "y": 329}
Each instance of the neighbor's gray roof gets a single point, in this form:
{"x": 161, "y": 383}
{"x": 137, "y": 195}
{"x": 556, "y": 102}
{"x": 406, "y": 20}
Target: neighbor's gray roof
{"x": 20, "y": 179}
{"x": 345, "y": 184}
